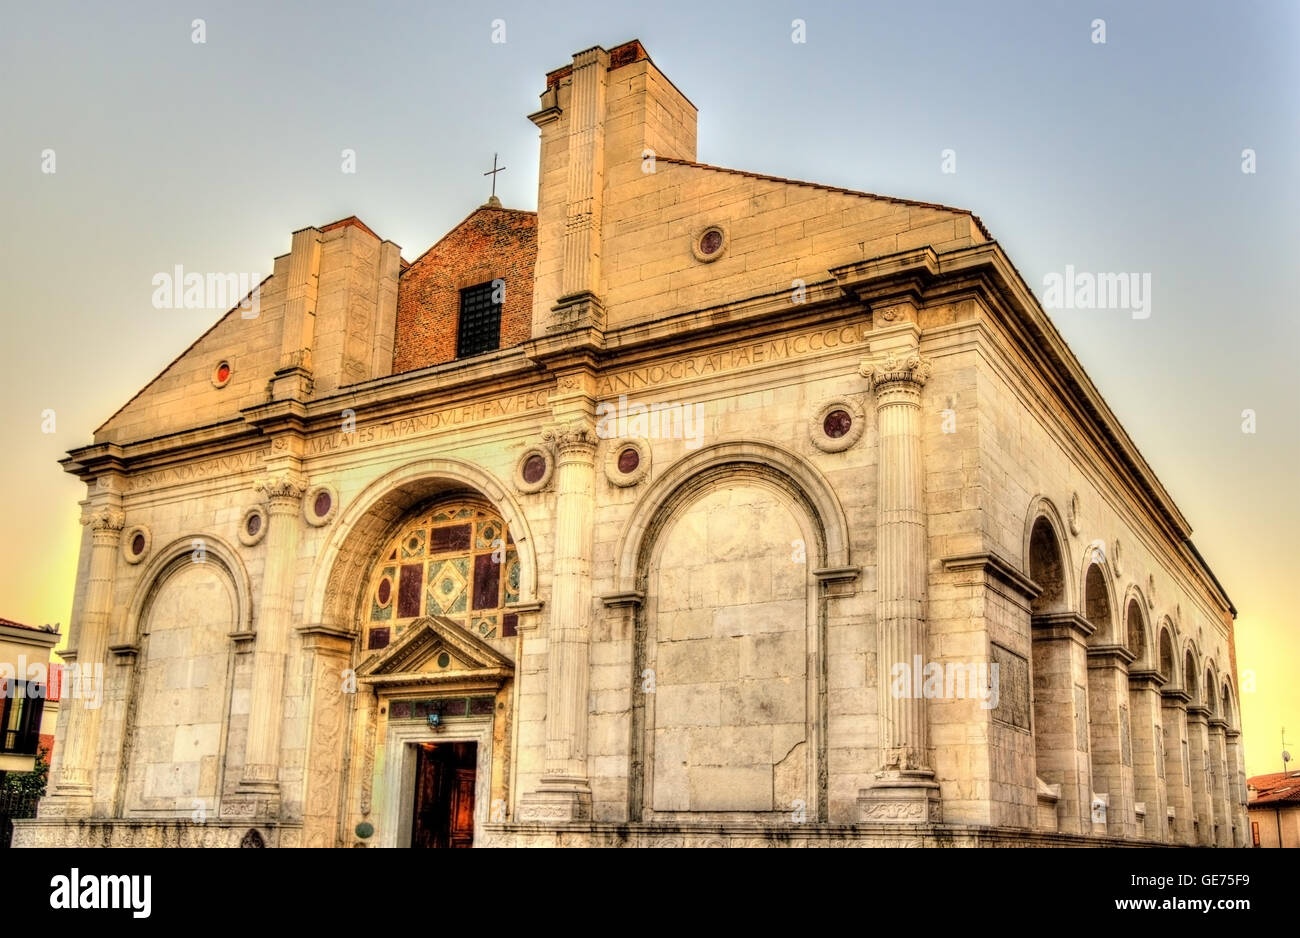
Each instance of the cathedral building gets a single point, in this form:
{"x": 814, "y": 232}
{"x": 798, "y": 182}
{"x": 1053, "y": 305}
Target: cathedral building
{"x": 698, "y": 507}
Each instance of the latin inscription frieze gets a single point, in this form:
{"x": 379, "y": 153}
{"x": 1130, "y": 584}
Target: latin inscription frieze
{"x": 193, "y": 472}
{"x": 751, "y": 354}
{"x": 425, "y": 423}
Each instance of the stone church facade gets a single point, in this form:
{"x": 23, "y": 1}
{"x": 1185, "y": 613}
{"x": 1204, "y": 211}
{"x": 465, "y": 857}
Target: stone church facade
{"x": 697, "y": 507}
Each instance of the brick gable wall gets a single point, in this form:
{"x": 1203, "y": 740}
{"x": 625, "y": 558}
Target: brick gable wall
{"x": 490, "y": 243}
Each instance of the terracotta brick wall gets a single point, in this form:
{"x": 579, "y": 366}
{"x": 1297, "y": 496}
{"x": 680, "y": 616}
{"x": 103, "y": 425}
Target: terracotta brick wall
{"x": 490, "y": 243}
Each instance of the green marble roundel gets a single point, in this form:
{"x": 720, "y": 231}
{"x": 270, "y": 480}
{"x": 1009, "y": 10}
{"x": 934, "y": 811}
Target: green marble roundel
{"x": 365, "y": 829}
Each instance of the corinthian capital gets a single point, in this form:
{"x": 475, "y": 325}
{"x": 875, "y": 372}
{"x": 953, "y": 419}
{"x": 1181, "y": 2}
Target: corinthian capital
{"x": 104, "y": 519}
{"x": 910, "y": 369}
{"x": 281, "y": 486}
{"x": 576, "y": 438}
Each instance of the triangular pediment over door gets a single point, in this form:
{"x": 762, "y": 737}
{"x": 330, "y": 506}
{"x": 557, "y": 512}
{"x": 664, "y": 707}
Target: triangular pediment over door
{"x": 436, "y": 651}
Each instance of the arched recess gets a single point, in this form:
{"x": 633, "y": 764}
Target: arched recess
{"x": 1109, "y": 716}
{"x": 1230, "y": 715}
{"x": 1059, "y": 677}
{"x": 184, "y": 550}
{"x": 335, "y": 590}
{"x": 1137, "y": 632}
{"x": 1234, "y": 770}
{"x": 1168, "y": 661}
{"x": 1216, "y": 761}
{"x": 682, "y": 481}
{"x": 1147, "y": 719}
{"x": 731, "y": 623}
{"x": 1045, "y": 550}
{"x": 1098, "y": 605}
{"x": 194, "y": 596}
{"x": 1191, "y": 678}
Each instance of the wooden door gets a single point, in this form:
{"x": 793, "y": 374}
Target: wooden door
{"x": 462, "y": 808}
{"x": 443, "y": 813}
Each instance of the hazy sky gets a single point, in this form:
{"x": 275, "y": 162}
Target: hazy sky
{"x": 1120, "y": 157}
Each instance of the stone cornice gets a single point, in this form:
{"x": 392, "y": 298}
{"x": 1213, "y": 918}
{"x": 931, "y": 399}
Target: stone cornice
{"x": 278, "y": 416}
{"x": 389, "y": 397}
{"x": 326, "y": 638}
{"x": 485, "y": 678}
{"x": 632, "y": 598}
{"x": 836, "y": 574}
{"x": 1062, "y": 625}
{"x": 1145, "y": 679}
{"x": 1218, "y": 723}
{"x": 1178, "y": 696}
{"x": 996, "y": 566}
{"x": 1198, "y": 713}
{"x": 1116, "y": 656}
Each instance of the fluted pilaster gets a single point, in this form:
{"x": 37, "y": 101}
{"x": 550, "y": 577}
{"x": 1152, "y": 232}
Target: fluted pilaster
{"x": 80, "y": 736}
{"x": 283, "y": 495}
{"x": 579, "y": 304}
{"x": 904, "y": 789}
{"x": 565, "y": 792}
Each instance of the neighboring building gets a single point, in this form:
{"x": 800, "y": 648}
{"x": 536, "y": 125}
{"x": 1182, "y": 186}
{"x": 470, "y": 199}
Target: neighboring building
{"x": 643, "y": 519}
{"x": 27, "y": 714}
{"x": 1274, "y": 809}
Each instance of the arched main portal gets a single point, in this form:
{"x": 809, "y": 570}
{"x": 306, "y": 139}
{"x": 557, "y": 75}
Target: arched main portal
{"x": 426, "y": 570}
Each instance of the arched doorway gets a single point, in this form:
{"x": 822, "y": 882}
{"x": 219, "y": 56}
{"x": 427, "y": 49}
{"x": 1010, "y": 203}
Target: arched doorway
{"x": 448, "y": 650}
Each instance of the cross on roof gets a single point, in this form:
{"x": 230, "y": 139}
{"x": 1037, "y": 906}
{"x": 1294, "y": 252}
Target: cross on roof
{"x": 493, "y": 173}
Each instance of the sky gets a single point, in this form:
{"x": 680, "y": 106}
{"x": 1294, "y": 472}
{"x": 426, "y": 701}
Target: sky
{"x": 1122, "y": 156}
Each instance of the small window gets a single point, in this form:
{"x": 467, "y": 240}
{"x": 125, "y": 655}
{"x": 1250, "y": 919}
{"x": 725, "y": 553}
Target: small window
{"x": 480, "y": 319}
{"x": 20, "y": 717}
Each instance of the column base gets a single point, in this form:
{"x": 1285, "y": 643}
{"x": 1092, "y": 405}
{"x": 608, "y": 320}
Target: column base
{"x": 557, "y": 799}
{"x": 901, "y": 798}
{"x": 67, "y": 801}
